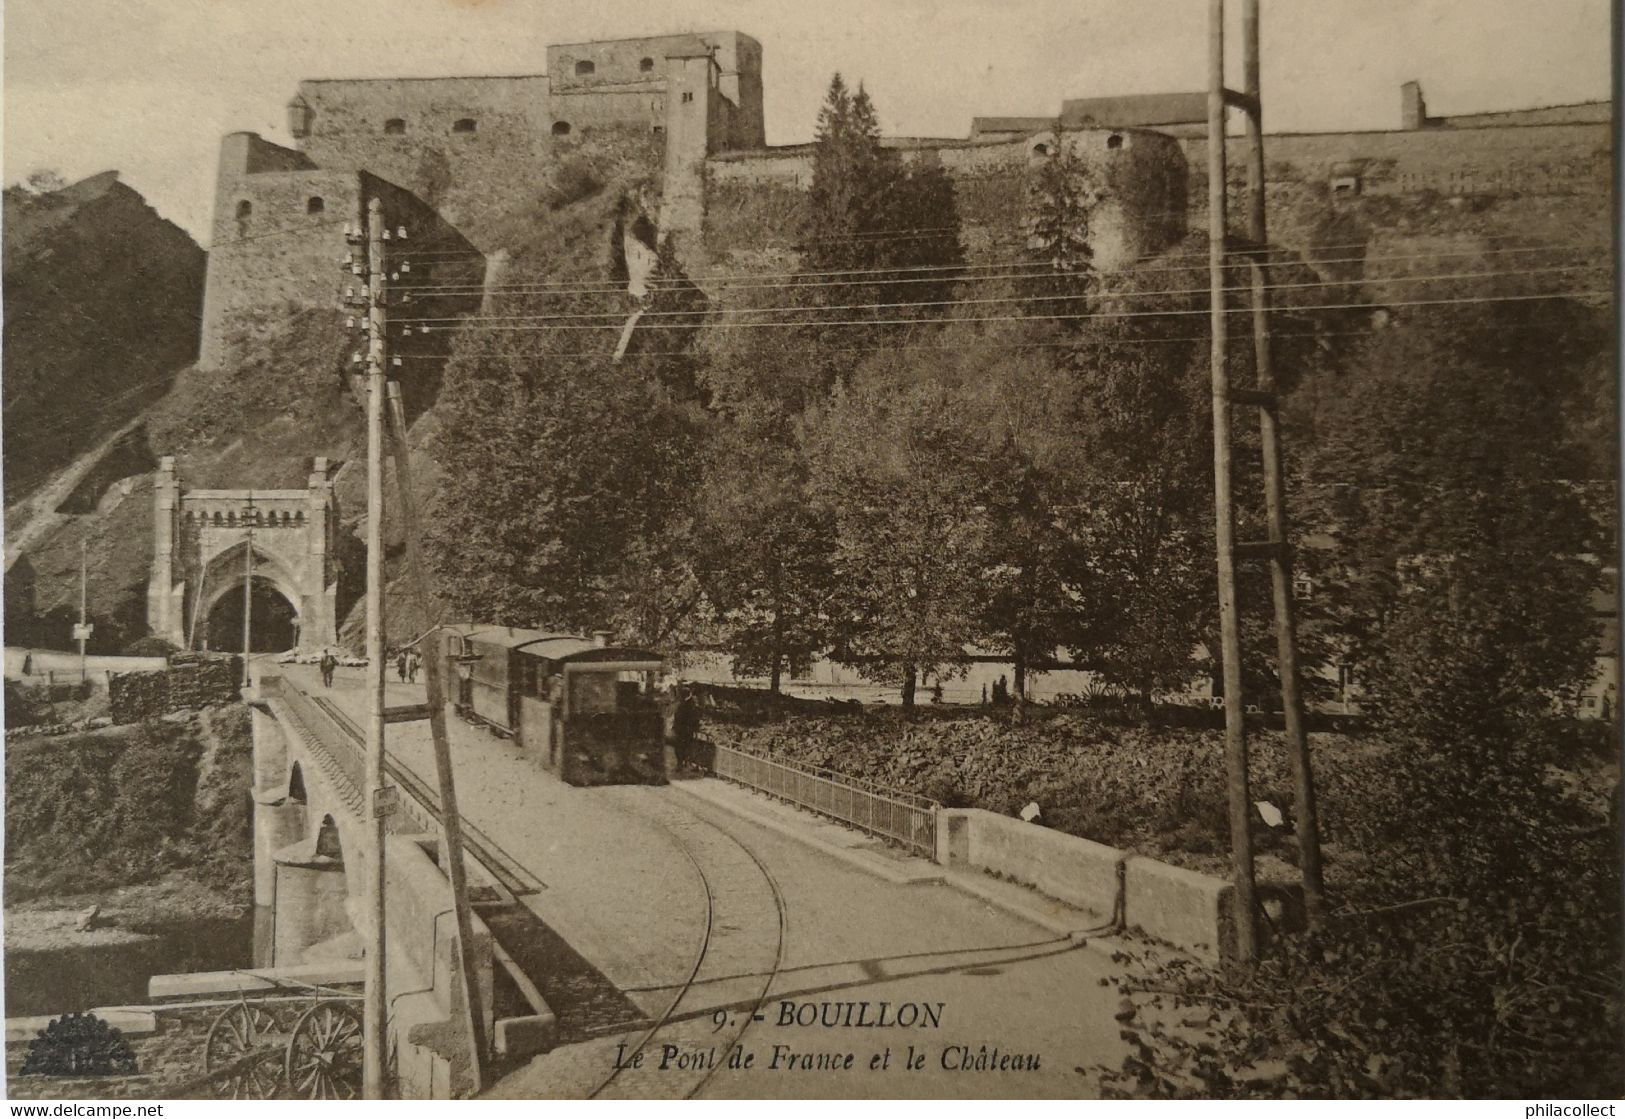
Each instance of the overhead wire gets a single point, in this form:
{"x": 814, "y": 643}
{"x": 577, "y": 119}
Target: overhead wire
{"x": 620, "y": 316}
{"x": 1068, "y": 343}
{"x": 1072, "y": 317}
{"x": 940, "y": 273}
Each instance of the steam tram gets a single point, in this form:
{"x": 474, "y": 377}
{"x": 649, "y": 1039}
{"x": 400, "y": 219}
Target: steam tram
{"x": 577, "y": 706}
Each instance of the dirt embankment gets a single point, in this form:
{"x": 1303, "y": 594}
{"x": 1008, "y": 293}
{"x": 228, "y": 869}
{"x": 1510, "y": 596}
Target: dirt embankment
{"x": 152, "y": 823}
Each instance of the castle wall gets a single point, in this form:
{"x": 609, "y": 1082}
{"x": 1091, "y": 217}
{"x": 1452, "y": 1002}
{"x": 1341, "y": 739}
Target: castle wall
{"x": 1540, "y": 159}
{"x": 755, "y": 201}
{"x": 285, "y": 256}
{"x": 277, "y": 258}
{"x": 469, "y": 176}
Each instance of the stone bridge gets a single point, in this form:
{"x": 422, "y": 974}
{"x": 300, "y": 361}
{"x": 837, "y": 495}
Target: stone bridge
{"x": 312, "y": 842}
{"x": 616, "y": 917}
{"x": 207, "y": 543}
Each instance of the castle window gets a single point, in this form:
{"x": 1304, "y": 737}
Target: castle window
{"x": 245, "y": 209}
{"x": 646, "y": 65}
{"x": 464, "y": 125}
{"x": 688, "y": 95}
{"x": 561, "y": 128}
{"x": 315, "y": 205}
{"x": 394, "y": 126}
{"x": 1114, "y": 141}
{"x": 1040, "y": 149}
{"x": 584, "y": 67}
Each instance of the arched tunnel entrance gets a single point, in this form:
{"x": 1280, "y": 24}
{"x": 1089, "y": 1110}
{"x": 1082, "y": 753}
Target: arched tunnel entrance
{"x": 273, "y": 625}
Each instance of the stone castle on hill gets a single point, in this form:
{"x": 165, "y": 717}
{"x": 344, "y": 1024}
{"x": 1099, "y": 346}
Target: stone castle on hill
{"x": 448, "y": 156}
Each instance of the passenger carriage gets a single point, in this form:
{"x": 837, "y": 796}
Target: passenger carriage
{"x": 580, "y": 707}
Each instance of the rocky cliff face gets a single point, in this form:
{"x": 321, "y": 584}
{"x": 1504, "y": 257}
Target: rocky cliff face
{"x": 101, "y": 309}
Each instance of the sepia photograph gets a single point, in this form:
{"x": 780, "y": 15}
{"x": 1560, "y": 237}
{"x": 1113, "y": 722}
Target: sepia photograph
{"x": 1036, "y": 550}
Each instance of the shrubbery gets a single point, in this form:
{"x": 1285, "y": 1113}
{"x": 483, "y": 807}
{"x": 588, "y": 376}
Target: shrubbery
{"x": 93, "y": 812}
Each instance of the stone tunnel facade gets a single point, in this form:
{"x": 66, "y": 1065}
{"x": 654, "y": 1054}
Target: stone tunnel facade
{"x": 207, "y": 542}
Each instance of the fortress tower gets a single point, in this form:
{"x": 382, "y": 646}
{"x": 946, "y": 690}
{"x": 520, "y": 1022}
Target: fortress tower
{"x": 456, "y": 153}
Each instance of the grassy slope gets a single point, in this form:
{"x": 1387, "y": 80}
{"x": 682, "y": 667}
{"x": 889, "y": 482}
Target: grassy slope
{"x": 101, "y": 307}
{"x": 141, "y": 806}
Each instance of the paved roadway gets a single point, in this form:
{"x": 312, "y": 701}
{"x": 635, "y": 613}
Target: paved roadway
{"x": 703, "y": 920}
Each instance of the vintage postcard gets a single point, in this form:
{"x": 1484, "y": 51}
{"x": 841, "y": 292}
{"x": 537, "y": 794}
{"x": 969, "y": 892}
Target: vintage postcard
{"x": 950, "y": 549}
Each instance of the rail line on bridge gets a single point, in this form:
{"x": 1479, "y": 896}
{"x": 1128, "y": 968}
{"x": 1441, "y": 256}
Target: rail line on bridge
{"x": 345, "y": 772}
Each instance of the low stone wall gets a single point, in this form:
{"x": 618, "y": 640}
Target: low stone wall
{"x": 1080, "y": 872}
{"x": 431, "y": 1039}
{"x": 1181, "y": 907}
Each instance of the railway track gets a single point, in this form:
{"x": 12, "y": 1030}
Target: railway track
{"x": 738, "y": 959}
{"x": 502, "y": 866}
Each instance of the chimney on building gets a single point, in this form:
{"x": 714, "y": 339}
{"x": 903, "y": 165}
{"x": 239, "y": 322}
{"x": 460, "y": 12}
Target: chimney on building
{"x": 600, "y": 637}
{"x": 1413, "y": 111}
{"x": 300, "y": 115}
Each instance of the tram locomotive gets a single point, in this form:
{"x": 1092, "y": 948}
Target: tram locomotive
{"x": 577, "y": 706}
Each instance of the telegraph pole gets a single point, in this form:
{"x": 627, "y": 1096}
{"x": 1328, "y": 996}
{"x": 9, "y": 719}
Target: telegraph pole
{"x": 83, "y": 632}
{"x": 450, "y": 818}
{"x": 1286, "y": 640}
{"x": 1276, "y": 549}
{"x": 248, "y": 582}
{"x": 376, "y": 1021}
{"x": 1224, "y": 513}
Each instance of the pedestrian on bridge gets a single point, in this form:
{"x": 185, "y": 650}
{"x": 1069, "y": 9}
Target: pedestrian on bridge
{"x": 328, "y": 664}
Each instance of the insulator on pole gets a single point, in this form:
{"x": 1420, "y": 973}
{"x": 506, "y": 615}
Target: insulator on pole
{"x": 396, "y": 360}
{"x": 394, "y": 275}
{"x": 406, "y": 266}
{"x": 400, "y": 234}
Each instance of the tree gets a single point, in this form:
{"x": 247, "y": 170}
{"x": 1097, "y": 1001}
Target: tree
{"x": 1015, "y": 412}
{"x": 1063, "y": 192}
{"x": 886, "y": 458}
{"x": 566, "y": 493}
{"x": 1145, "y": 526}
{"x": 881, "y": 239}
{"x": 767, "y": 549}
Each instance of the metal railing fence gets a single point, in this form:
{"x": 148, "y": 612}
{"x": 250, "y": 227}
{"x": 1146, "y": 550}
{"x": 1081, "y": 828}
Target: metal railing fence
{"x": 907, "y": 819}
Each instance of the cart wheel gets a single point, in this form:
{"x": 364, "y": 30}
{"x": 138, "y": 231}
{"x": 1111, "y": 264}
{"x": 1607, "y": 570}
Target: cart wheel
{"x": 235, "y": 1034}
{"x": 324, "y": 1053}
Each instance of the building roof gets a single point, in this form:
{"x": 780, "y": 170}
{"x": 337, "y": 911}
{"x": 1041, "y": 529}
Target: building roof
{"x": 979, "y": 125}
{"x": 563, "y": 648}
{"x": 507, "y": 637}
{"x": 1137, "y": 111}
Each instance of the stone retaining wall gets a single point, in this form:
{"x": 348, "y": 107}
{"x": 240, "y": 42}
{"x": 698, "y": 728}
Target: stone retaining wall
{"x": 1181, "y": 907}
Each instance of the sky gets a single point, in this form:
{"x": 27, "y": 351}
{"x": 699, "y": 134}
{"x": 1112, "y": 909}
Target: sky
{"x": 147, "y": 87}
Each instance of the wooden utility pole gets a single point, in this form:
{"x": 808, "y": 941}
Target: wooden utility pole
{"x": 451, "y": 826}
{"x": 1276, "y": 549}
{"x": 375, "y": 1023}
{"x": 1235, "y": 730}
{"x": 248, "y": 583}
{"x": 83, "y": 632}
{"x": 1286, "y": 639}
